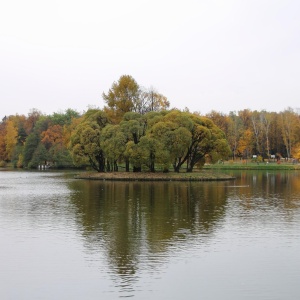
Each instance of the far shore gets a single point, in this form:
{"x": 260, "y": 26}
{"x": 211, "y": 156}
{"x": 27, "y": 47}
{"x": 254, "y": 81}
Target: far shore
{"x": 209, "y": 172}
{"x": 204, "y": 175}
{"x": 249, "y": 165}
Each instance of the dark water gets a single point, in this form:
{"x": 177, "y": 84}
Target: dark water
{"x": 63, "y": 238}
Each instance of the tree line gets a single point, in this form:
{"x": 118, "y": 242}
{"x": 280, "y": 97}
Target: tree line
{"x": 261, "y": 133}
{"x": 136, "y": 130}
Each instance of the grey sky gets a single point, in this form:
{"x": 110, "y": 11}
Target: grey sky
{"x": 204, "y": 55}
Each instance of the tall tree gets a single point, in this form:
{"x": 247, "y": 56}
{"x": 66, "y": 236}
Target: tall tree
{"x": 113, "y": 141}
{"x": 151, "y": 100}
{"x": 11, "y": 137}
{"x": 151, "y": 150}
{"x": 53, "y": 135}
{"x": 30, "y": 146}
{"x": 207, "y": 141}
{"x": 220, "y": 119}
{"x": 266, "y": 121}
{"x": 86, "y": 143}
{"x": 289, "y": 127}
{"x": 190, "y": 138}
{"x": 133, "y": 127}
{"x": 53, "y": 141}
{"x": 3, "y": 154}
{"x": 64, "y": 118}
{"x": 256, "y": 125}
{"x": 245, "y": 143}
{"x": 174, "y": 137}
{"x": 33, "y": 117}
{"x": 123, "y": 96}
{"x": 40, "y": 156}
{"x": 245, "y": 117}
{"x": 234, "y": 132}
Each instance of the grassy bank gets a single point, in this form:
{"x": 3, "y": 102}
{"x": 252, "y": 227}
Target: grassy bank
{"x": 203, "y": 175}
{"x": 252, "y": 166}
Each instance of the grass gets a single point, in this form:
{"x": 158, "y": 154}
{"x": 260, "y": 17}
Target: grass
{"x": 208, "y": 173}
{"x": 203, "y": 175}
{"x": 253, "y": 166}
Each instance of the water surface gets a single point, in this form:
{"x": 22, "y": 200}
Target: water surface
{"x": 63, "y": 238}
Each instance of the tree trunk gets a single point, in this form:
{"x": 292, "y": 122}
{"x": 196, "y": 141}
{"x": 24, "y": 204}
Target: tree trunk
{"x": 127, "y": 165}
{"x": 176, "y": 168}
{"x": 190, "y": 166}
{"x": 137, "y": 169}
{"x": 116, "y": 166}
{"x": 189, "y": 169}
{"x": 108, "y": 166}
{"x": 152, "y": 164}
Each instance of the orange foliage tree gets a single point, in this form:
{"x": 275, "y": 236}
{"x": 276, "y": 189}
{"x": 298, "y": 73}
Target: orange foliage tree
{"x": 52, "y": 136}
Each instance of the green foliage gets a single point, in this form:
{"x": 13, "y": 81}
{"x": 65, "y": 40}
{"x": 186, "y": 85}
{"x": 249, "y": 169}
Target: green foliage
{"x": 113, "y": 143}
{"x": 60, "y": 156}
{"x": 134, "y": 130}
{"x": 64, "y": 118}
{"x": 133, "y": 126}
{"x": 135, "y": 154}
{"x": 18, "y": 158}
{"x": 3, "y": 164}
{"x": 39, "y": 157}
{"x": 30, "y": 146}
{"x": 153, "y": 153}
{"x": 86, "y": 143}
{"x": 22, "y": 135}
{"x": 42, "y": 124}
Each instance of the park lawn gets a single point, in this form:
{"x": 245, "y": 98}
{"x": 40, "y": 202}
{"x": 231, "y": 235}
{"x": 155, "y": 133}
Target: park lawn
{"x": 229, "y": 165}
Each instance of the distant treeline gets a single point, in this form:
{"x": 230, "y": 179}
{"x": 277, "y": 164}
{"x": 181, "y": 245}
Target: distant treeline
{"x": 261, "y": 133}
{"x": 136, "y": 130}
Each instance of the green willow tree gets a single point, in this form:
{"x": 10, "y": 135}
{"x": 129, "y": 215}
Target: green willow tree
{"x": 114, "y": 142}
{"x": 173, "y": 138}
{"x": 134, "y": 127}
{"x": 207, "y": 141}
{"x": 30, "y": 146}
{"x": 86, "y": 143}
{"x": 189, "y": 139}
{"x": 148, "y": 149}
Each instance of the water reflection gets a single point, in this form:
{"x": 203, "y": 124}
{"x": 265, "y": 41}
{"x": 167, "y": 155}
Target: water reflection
{"x": 281, "y": 187}
{"x": 140, "y": 224}
{"x": 91, "y": 239}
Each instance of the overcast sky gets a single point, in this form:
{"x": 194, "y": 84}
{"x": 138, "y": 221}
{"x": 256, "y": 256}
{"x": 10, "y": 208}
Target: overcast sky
{"x": 223, "y": 55}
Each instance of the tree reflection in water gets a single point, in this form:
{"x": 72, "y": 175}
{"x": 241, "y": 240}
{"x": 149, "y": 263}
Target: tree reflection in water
{"x": 139, "y": 224}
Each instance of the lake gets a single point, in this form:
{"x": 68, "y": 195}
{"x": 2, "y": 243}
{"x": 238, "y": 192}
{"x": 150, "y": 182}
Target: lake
{"x": 65, "y": 238}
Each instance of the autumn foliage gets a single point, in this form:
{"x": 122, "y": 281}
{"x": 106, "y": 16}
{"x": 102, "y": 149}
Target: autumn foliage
{"x": 137, "y": 131}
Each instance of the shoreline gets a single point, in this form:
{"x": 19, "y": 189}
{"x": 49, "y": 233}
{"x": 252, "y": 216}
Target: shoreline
{"x": 205, "y": 175}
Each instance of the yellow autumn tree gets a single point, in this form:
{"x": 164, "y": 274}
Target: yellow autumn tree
{"x": 296, "y": 151}
{"x": 245, "y": 143}
{"x": 10, "y": 138}
{"x": 122, "y": 97}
